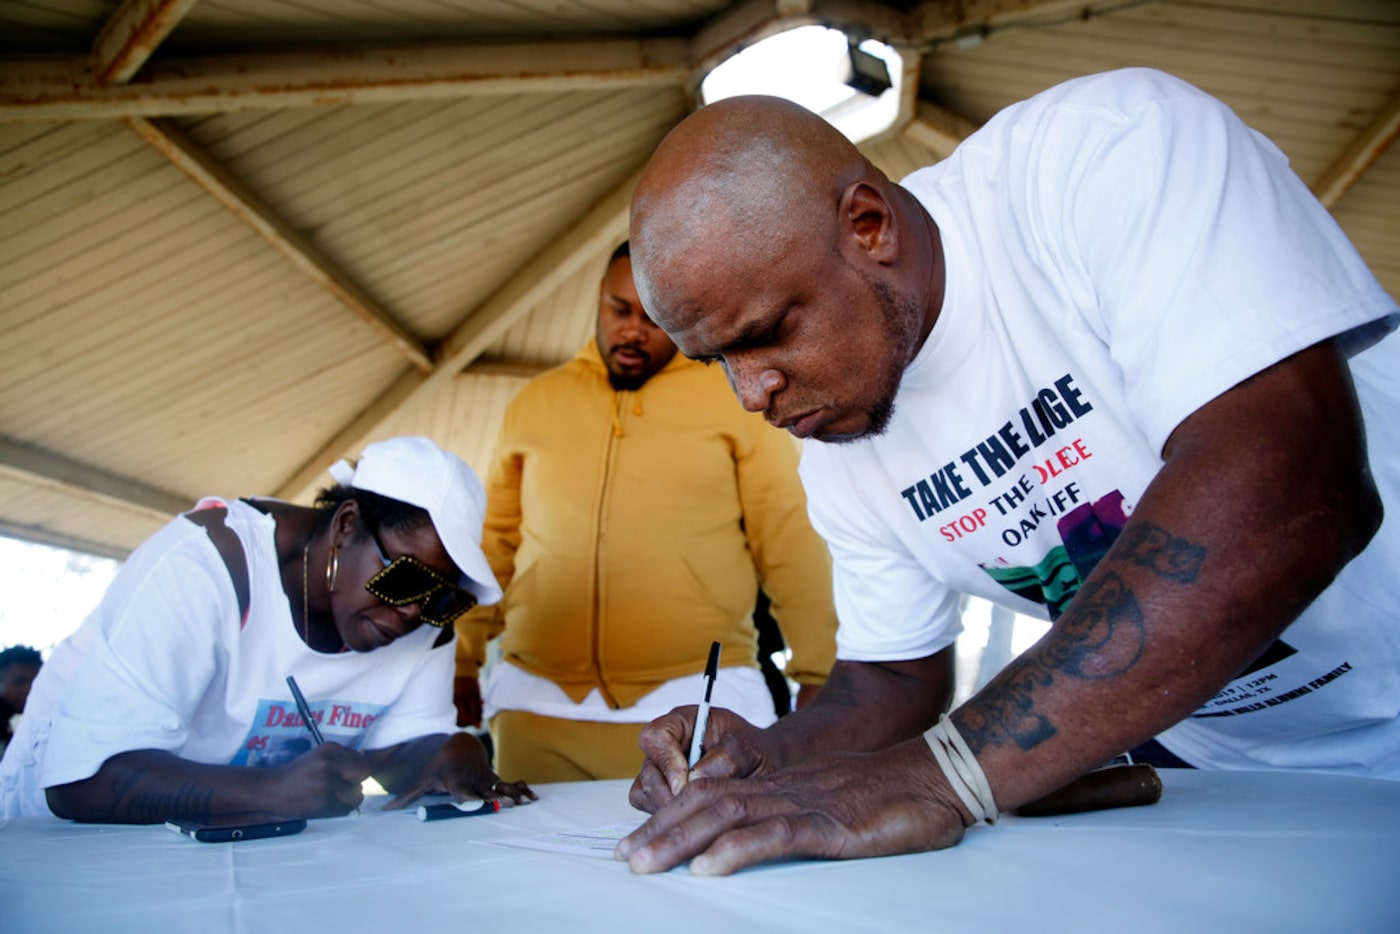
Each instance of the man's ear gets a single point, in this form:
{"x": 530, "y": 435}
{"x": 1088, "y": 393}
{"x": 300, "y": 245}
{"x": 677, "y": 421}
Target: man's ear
{"x": 869, "y": 219}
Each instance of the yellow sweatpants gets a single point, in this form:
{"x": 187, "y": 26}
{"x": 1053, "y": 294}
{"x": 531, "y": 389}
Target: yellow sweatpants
{"x": 532, "y": 748}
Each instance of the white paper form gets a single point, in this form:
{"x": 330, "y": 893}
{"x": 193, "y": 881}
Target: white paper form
{"x": 598, "y": 842}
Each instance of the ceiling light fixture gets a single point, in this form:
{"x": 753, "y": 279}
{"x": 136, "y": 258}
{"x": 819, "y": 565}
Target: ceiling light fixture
{"x": 853, "y": 84}
{"x": 865, "y": 72}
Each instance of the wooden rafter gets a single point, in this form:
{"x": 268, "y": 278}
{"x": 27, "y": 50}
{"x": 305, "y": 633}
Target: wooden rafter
{"x": 69, "y": 89}
{"x": 52, "y": 471}
{"x": 938, "y": 129}
{"x": 745, "y": 23}
{"x": 1361, "y": 154}
{"x": 131, "y": 34}
{"x": 601, "y": 228}
{"x": 352, "y": 436}
{"x": 78, "y": 89}
{"x": 173, "y": 143}
{"x": 942, "y": 19}
{"x": 46, "y": 536}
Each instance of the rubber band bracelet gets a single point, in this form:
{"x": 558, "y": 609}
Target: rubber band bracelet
{"x": 962, "y": 770}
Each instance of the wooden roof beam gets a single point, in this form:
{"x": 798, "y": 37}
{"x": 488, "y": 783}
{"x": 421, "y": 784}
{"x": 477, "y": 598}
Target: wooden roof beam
{"x": 348, "y": 441}
{"x": 600, "y": 229}
{"x": 938, "y": 129}
{"x": 131, "y": 34}
{"x": 33, "y": 90}
{"x": 1363, "y": 152}
{"x": 946, "y": 19}
{"x": 51, "y": 471}
{"x": 173, "y": 143}
{"x": 44, "y": 536}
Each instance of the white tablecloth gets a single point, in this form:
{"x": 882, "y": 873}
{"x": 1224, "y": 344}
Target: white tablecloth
{"x": 1239, "y": 852}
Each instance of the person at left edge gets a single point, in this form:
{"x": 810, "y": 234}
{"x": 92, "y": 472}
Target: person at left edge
{"x": 19, "y": 666}
{"x": 171, "y": 699}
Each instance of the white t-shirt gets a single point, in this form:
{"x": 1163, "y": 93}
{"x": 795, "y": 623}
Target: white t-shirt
{"x": 165, "y": 662}
{"x": 1120, "y": 249}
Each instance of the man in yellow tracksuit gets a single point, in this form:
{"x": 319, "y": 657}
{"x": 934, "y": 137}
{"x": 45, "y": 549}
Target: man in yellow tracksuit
{"x": 633, "y": 511}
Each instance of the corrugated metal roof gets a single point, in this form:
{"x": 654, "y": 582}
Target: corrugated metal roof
{"x": 236, "y": 249}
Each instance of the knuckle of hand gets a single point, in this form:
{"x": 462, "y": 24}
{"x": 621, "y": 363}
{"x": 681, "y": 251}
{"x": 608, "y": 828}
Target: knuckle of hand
{"x": 695, "y": 791}
{"x": 731, "y": 808}
{"x": 786, "y": 829}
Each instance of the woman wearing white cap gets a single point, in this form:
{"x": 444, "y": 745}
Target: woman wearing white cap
{"x": 175, "y": 698}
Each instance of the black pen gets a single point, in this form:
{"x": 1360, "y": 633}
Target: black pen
{"x": 305, "y": 711}
{"x": 702, "y": 716}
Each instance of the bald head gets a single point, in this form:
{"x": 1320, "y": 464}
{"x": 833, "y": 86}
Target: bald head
{"x": 763, "y": 240}
{"x": 740, "y": 178}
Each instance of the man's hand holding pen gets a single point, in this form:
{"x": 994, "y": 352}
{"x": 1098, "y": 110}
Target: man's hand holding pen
{"x": 838, "y": 805}
{"x": 726, "y": 746}
{"x": 734, "y": 749}
{"x": 742, "y": 805}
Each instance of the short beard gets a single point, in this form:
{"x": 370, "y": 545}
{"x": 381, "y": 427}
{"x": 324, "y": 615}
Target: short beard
{"x": 626, "y": 383}
{"x": 900, "y": 320}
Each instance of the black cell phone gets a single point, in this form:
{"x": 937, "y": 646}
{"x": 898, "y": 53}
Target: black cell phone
{"x": 231, "y": 833}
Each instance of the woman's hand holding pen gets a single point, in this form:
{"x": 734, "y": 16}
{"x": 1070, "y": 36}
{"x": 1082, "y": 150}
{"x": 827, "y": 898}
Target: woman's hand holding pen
{"x": 734, "y": 748}
{"x": 322, "y": 782}
{"x": 330, "y": 775}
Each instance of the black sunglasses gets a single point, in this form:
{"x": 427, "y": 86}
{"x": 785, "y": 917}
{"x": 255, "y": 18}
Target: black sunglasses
{"x": 406, "y": 580}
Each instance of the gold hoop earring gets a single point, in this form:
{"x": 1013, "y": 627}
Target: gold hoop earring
{"x": 332, "y": 568}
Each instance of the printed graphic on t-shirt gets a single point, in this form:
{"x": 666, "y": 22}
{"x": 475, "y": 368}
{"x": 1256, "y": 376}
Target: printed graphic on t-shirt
{"x": 987, "y": 466}
{"x": 279, "y": 734}
{"x": 1087, "y": 532}
{"x": 1000, "y": 497}
{"x": 1257, "y": 688}
{"x": 1005, "y": 488}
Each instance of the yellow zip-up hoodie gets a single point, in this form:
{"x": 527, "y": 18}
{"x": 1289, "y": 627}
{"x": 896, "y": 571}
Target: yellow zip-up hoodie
{"x": 630, "y": 530}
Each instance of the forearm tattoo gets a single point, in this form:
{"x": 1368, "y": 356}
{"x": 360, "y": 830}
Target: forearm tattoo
{"x": 1153, "y": 547}
{"x": 130, "y": 804}
{"x": 1101, "y": 636}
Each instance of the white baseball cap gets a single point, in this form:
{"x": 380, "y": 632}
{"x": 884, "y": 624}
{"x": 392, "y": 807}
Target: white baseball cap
{"x": 418, "y": 472}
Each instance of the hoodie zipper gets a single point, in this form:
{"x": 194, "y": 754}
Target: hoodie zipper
{"x": 605, "y": 491}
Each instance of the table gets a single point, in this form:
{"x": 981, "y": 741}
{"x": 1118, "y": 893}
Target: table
{"x": 1234, "y": 852}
